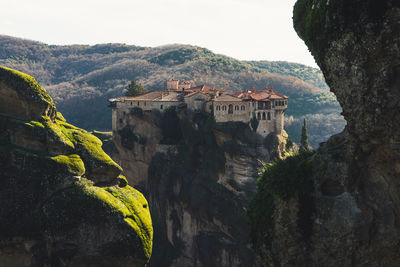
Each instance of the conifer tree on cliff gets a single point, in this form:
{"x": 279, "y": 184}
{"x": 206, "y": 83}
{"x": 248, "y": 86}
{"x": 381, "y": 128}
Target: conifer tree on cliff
{"x": 304, "y": 146}
{"x": 134, "y": 89}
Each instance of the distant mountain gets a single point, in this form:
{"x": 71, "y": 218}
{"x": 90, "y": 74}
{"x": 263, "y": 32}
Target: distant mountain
{"x": 81, "y": 78}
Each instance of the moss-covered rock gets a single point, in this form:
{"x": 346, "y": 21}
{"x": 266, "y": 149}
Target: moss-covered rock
{"x": 21, "y": 96}
{"x": 52, "y": 202}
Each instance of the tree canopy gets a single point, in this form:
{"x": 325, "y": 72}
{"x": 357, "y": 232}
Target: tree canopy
{"x": 134, "y": 89}
{"x": 304, "y": 146}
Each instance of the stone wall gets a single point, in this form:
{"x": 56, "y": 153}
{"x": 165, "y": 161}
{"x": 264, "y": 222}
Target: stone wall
{"x": 238, "y": 114}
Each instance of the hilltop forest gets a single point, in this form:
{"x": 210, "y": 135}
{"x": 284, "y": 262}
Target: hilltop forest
{"x": 80, "y": 79}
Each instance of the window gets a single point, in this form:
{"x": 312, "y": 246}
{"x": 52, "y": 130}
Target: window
{"x": 263, "y": 115}
{"x": 262, "y": 105}
{"x": 258, "y": 116}
{"x": 223, "y": 107}
{"x": 161, "y": 107}
{"x": 124, "y": 113}
{"x": 236, "y": 107}
{"x": 144, "y": 103}
{"x": 242, "y": 107}
{"x": 131, "y": 103}
{"x": 138, "y": 103}
{"x": 230, "y": 109}
{"x": 269, "y": 116}
{"x": 218, "y": 108}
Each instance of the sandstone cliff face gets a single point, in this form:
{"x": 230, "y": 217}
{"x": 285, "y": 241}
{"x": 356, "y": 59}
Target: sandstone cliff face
{"x": 63, "y": 200}
{"x": 356, "y": 173}
{"x": 199, "y": 178}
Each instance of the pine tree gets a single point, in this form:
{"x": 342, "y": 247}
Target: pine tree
{"x": 134, "y": 89}
{"x": 304, "y": 146}
{"x": 254, "y": 123}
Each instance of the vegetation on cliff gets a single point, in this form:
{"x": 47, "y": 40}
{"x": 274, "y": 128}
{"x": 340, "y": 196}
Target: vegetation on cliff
{"x": 355, "y": 173}
{"x": 281, "y": 181}
{"x": 54, "y": 195}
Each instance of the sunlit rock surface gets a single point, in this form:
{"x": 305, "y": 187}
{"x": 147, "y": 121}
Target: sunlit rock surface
{"x": 63, "y": 200}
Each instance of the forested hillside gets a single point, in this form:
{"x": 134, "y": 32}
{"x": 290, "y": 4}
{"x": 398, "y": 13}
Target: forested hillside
{"x": 81, "y": 78}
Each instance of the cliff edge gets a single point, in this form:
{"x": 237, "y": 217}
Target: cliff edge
{"x": 349, "y": 213}
{"x": 64, "y": 202}
{"x": 198, "y": 175}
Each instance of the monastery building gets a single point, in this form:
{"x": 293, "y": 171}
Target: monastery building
{"x": 266, "y": 106}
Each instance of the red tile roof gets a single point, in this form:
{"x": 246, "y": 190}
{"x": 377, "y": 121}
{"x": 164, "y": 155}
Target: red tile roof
{"x": 267, "y": 94}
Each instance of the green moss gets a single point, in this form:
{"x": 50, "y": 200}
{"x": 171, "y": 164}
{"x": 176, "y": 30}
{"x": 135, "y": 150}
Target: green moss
{"x": 92, "y": 145}
{"x": 60, "y": 117}
{"x": 319, "y": 22}
{"x": 68, "y": 130}
{"x": 35, "y": 124}
{"x": 137, "y": 214}
{"x": 123, "y": 211}
{"x": 72, "y": 163}
{"x": 102, "y": 135}
{"x": 25, "y": 85}
{"x": 122, "y": 181}
{"x": 56, "y": 132}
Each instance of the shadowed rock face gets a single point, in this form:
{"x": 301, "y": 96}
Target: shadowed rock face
{"x": 356, "y": 220}
{"x": 63, "y": 199}
{"x": 356, "y": 44}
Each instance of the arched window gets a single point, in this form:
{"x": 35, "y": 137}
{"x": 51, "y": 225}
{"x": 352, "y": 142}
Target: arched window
{"x": 242, "y": 107}
{"x": 217, "y": 108}
{"x": 131, "y": 103}
{"x": 223, "y": 107}
{"x": 138, "y": 103}
{"x": 263, "y": 115}
{"x": 258, "y": 116}
{"x": 269, "y": 116}
{"x": 236, "y": 107}
{"x": 230, "y": 109}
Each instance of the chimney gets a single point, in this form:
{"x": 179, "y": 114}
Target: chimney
{"x": 266, "y": 89}
{"x": 253, "y": 90}
{"x": 272, "y": 90}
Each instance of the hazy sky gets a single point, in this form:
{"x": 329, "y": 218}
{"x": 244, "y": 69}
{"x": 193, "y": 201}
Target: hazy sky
{"x": 243, "y": 29}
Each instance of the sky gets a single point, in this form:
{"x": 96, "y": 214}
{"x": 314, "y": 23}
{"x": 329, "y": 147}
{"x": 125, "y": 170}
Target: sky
{"x": 243, "y": 29}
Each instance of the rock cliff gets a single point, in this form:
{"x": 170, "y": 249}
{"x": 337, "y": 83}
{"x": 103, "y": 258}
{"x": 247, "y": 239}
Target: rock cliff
{"x": 63, "y": 200}
{"x": 350, "y": 213}
{"x": 199, "y": 176}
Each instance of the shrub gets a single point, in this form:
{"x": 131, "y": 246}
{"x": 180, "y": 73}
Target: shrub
{"x": 282, "y": 180}
{"x": 136, "y": 111}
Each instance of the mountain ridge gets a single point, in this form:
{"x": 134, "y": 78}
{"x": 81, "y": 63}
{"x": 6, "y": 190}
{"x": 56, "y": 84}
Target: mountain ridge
{"x": 80, "y": 78}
